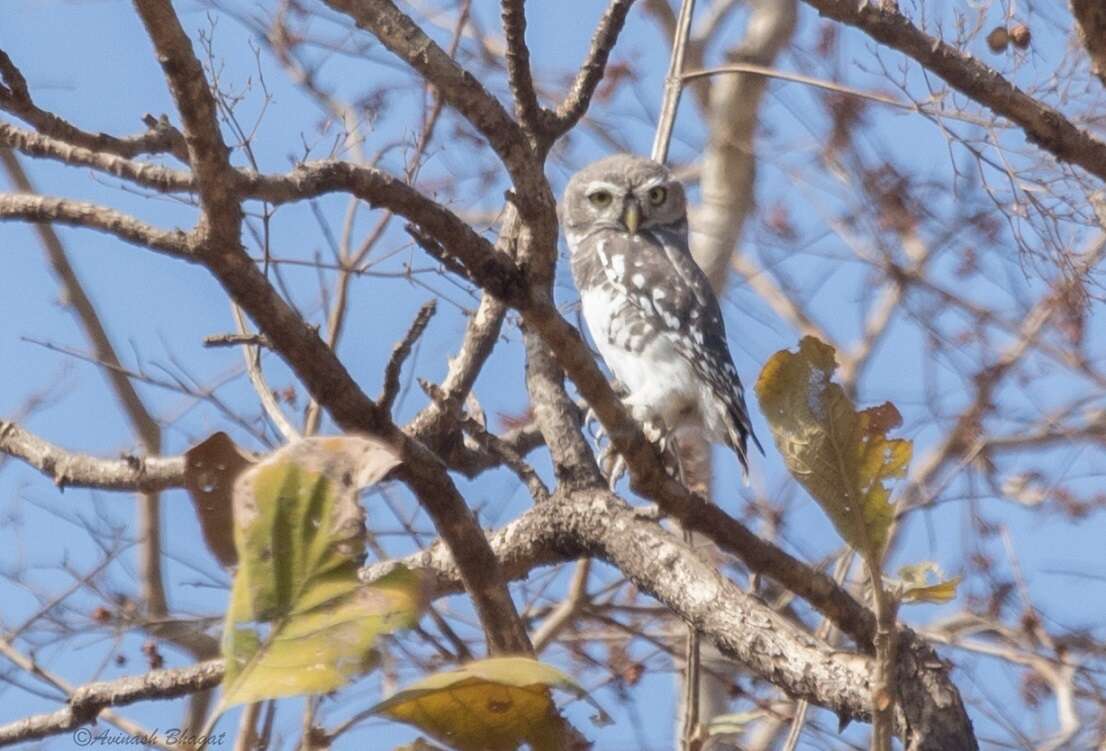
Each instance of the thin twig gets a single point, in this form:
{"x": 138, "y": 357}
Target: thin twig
{"x": 252, "y": 356}
{"x": 142, "y": 422}
{"x": 401, "y": 352}
{"x": 673, "y": 84}
{"x": 770, "y": 72}
{"x": 566, "y": 611}
{"x": 494, "y": 445}
{"x": 233, "y": 340}
{"x": 841, "y": 570}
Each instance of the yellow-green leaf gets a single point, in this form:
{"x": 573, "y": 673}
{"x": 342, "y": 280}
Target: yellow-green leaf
{"x": 922, "y": 582}
{"x": 841, "y": 456}
{"x": 299, "y": 619}
{"x": 496, "y": 704}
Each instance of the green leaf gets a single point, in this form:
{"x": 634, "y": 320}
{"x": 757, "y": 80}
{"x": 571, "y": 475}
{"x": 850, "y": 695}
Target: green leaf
{"x": 496, "y": 704}
{"x": 922, "y": 582}
{"x": 300, "y": 620}
{"x": 841, "y": 456}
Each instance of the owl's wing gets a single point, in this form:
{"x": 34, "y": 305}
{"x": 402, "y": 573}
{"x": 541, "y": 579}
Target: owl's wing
{"x": 661, "y": 281}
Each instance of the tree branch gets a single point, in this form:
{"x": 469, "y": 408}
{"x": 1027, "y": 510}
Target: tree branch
{"x": 1043, "y": 125}
{"x": 208, "y": 154}
{"x": 86, "y": 702}
{"x": 1091, "y": 17}
{"x": 143, "y": 423}
{"x": 495, "y": 271}
{"x": 66, "y": 469}
{"x": 594, "y": 522}
{"x": 591, "y": 72}
{"x": 529, "y": 112}
{"x": 47, "y": 209}
{"x": 148, "y": 175}
{"x": 400, "y": 354}
{"x": 458, "y": 87}
{"x": 15, "y": 97}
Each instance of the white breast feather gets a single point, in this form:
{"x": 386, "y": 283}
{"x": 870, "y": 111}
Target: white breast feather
{"x": 662, "y": 386}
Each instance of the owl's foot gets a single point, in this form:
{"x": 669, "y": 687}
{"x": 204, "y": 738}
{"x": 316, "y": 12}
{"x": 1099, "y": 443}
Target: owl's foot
{"x": 611, "y": 463}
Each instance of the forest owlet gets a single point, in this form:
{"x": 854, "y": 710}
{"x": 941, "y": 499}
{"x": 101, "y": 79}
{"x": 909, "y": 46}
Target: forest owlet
{"x": 648, "y": 305}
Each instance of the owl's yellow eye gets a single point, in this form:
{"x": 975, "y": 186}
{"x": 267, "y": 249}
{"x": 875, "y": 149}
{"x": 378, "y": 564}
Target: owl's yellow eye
{"x": 600, "y": 198}
{"x": 657, "y": 195}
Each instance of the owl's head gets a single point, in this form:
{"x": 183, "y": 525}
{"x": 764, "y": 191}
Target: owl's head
{"x": 625, "y": 193}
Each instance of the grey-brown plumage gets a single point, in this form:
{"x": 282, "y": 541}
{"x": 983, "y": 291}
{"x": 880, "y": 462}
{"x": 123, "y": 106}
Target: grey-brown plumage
{"x": 648, "y": 305}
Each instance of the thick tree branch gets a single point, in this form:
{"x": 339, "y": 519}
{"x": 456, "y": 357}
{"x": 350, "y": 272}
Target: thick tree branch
{"x": 595, "y": 522}
{"x": 1091, "y": 17}
{"x": 558, "y": 417}
{"x": 313, "y": 361}
{"x": 1043, "y": 125}
{"x": 208, "y": 154}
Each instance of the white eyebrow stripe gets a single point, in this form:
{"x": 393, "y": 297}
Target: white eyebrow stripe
{"x": 653, "y": 183}
{"x": 601, "y": 185}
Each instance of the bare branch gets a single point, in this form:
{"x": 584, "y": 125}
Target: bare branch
{"x": 558, "y": 417}
{"x": 1091, "y": 17}
{"x": 673, "y": 83}
{"x": 66, "y": 469}
{"x": 563, "y": 615}
{"x": 88, "y": 701}
{"x": 1042, "y": 124}
{"x": 400, "y": 354}
{"x": 208, "y": 154}
{"x": 595, "y": 522}
{"x": 234, "y": 340}
{"x": 728, "y": 180}
{"x": 511, "y": 459}
{"x": 46, "y": 209}
{"x": 251, "y": 355}
{"x": 520, "y": 78}
{"x": 147, "y": 175}
{"x": 591, "y": 72}
{"x": 494, "y": 271}
{"x": 458, "y": 87}
{"x": 15, "y": 97}
{"x": 143, "y": 423}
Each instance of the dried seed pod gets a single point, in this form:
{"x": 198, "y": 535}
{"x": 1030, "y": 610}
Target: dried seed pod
{"x": 1020, "y": 36}
{"x": 998, "y": 39}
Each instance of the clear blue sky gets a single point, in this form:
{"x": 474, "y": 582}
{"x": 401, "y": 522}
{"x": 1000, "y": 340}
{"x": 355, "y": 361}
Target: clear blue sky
{"x": 92, "y": 63}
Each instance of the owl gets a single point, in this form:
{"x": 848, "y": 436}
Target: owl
{"x": 647, "y": 304}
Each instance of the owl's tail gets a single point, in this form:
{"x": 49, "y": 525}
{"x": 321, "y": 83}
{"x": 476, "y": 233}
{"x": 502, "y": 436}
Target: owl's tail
{"x": 740, "y": 430}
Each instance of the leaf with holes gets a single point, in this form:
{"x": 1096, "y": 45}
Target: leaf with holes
{"x": 841, "y": 456}
{"x": 496, "y": 704}
{"x": 210, "y": 470}
{"x": 299, "y": 620}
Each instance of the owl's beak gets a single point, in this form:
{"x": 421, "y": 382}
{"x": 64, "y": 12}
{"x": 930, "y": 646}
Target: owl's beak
{"x": 631, "y": 216}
